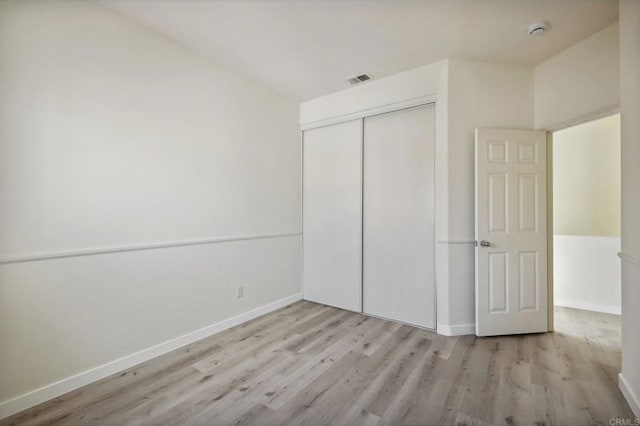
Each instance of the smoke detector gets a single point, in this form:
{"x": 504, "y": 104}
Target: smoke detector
{"x": 359, "y": 79}
{"x": 538, "y": 28}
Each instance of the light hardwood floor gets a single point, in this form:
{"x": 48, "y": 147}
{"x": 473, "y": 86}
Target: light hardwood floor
{"x": 308, "y": 364}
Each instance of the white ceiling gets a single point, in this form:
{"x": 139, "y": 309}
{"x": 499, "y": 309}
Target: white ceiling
{"x": 308, "y": 48}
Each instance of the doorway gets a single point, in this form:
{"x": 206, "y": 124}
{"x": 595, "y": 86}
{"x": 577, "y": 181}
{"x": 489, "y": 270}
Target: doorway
{"x": 586, "y": 216}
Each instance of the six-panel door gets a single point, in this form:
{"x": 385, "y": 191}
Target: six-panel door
{"x": 511, "y": 217}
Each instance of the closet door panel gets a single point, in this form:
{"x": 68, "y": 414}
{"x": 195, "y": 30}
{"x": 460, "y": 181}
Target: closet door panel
{"x": 398, "y": 216}
{"x": 332, "y": 215}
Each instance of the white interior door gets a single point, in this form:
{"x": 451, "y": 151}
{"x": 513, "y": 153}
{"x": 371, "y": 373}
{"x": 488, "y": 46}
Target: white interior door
{"x": 398, "y": 216}
{"x": 332, "y": 215}
{"x": 511, "y": 232}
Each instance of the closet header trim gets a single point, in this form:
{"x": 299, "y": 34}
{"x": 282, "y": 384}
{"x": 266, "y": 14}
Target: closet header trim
{"x": 368, "y": 112}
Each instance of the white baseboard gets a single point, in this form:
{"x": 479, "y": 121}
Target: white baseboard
{"x": 456, "y": 330}
{"x": 607, "y": 309}
{"x": 629, "y": 395}
{"x": 45, "y": 393}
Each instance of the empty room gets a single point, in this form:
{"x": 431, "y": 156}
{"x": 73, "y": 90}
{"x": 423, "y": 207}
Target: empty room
{"x": 319, "y": 212}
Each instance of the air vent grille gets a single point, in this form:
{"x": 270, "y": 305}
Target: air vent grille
{"x": 359, "y": 79}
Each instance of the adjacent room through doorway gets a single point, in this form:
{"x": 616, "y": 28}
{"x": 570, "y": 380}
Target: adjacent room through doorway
{"x": 586, "y": 216}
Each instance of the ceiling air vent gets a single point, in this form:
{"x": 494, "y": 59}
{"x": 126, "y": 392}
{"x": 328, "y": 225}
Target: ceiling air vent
{"x": 359, "y": 79}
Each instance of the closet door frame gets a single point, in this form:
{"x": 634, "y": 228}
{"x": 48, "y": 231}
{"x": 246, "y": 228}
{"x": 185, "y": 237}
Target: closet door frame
{"x": 361, "y": 115}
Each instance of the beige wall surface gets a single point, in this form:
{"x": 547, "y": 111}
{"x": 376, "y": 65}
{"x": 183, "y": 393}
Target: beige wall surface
{"x": 586, "y": 179}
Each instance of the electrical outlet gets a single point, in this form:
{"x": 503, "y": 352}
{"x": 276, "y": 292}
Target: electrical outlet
{"x": 239, "y": 292}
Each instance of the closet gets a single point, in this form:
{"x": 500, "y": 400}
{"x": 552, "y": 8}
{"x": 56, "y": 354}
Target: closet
{"x": 332, "y": 215}
{"x": 368, "y": 215}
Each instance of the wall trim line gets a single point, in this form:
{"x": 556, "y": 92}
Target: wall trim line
{"x": 456, "y": 330}
{"x": 50, "y": 391}
{"x": 629, "y": 395}
{"x": 625, "y": 257}
{"x": 123, "y": 249}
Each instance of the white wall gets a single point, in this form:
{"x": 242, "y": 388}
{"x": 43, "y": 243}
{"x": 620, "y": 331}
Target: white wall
{"x": 469, "y": 95}
{"x": 586, "y": 272}
{"x": 580, "y": 83}
{"x": 630, "y": 134}
{"x": 480, "y": 95}
{"x": 111, "y": 136}
{"x": 586, "y": 215}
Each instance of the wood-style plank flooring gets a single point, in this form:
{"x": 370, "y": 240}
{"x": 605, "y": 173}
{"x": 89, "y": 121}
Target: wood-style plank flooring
{"x": 309, "y": 364}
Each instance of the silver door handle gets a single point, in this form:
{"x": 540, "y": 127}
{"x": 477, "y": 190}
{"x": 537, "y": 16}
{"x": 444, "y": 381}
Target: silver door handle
{"x": 484, "y": 243}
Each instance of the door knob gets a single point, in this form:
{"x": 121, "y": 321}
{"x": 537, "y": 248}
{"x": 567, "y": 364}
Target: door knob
{"x": 484, "y": 243}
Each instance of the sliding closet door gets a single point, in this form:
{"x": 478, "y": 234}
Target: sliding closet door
{"x": 398, "y": 215}
{"x": 332, "y": 215}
